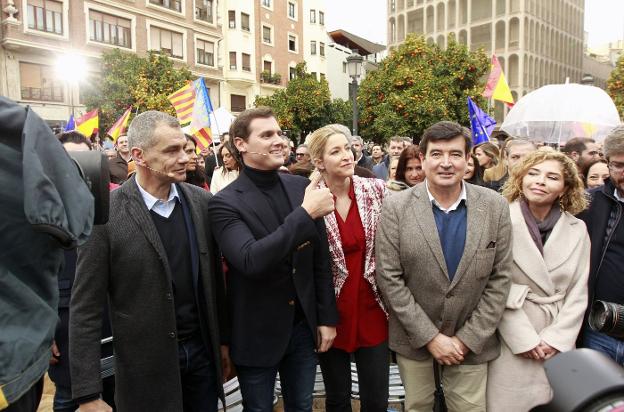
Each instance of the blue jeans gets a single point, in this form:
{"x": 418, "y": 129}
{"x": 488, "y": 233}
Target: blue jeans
{"x": 297, "y": 371}
{"x": 610, "y": 346}
{"x": 199, "y": 377}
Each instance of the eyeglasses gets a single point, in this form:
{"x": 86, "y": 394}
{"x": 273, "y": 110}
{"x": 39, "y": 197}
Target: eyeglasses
{"x": 616, "y": 167}
{"x": 300, "y": 154}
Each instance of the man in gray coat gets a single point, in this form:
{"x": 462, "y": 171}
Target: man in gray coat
{"x": 443, "y": 251}
{"x": 156, "y": 262}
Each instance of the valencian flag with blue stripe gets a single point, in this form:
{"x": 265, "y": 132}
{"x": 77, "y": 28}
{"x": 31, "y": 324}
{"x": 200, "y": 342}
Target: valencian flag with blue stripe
{"x": 202, "y": 108}
{"x": 481, "y": 123}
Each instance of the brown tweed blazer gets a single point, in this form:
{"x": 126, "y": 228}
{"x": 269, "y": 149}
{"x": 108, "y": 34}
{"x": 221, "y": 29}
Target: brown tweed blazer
{"x": 413, "y": 278}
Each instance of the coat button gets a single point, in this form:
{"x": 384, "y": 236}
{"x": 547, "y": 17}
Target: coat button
{"x": 291, "y": 302}
{"x": 172, "y": 335}
{"x": 449, "y": 295}
{"x": 294, "y": 271}
{"x": 168, "y": 296}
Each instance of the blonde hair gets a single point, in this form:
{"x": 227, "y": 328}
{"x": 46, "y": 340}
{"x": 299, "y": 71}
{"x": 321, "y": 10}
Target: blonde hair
{"x": 498, "y": 168}
{"x": 317, "y": 141}
{"x": 574, "y": 198}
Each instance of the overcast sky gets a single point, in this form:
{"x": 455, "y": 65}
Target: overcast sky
{"x": 604, "y": 19}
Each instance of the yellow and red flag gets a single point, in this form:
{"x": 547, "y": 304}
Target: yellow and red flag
{"x": 120, "y": 125}
{"x": 183, "y": 101}
{"x": 202, "y": 108}
{"x": 88, "y": 123}
{"x": 496, "y": 86}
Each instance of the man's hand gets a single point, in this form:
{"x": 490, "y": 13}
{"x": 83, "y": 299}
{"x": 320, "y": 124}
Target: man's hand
{"x": 445, "y": 350}
{"x": 226, "y": 366}
{"x": 326, "y": 336}
{"x": 55, "y": 354}
{"x": 317, "y": 202}
{"x": 97, "y": 405}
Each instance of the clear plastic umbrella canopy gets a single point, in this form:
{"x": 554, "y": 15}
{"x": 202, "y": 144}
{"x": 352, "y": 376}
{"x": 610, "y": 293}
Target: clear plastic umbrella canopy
{"x": 559, "y": 112}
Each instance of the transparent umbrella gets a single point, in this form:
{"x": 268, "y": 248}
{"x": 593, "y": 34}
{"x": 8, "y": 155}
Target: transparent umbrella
{"x": 559, "y": 112}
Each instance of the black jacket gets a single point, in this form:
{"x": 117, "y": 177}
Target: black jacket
{"x": 261, "y": 305}
{"x": 366, "y": 162}
{"x": 601, "y": 218}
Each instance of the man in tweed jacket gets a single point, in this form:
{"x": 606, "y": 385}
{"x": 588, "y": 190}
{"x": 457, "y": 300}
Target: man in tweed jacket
{"x": 443, "y": 253}
{"x": 156, "y": 262}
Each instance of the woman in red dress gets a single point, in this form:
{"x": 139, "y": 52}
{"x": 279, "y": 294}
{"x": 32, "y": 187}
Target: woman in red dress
{"x": 362, "y": 331}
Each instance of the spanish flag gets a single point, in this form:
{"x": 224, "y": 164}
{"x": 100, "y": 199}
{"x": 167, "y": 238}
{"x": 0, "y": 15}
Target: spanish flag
{"x": 88, "y": 123}
{"x": 183, "y": 102}
{"x": 496, "y": 86}
{"x": 120, "y": 125}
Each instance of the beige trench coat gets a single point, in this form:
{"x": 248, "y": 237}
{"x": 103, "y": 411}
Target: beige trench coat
{"x": 546, "y": 302}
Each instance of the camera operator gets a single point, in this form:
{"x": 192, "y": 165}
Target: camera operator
{"x": 606, "y": 229}
{"x": 45, "y": 206}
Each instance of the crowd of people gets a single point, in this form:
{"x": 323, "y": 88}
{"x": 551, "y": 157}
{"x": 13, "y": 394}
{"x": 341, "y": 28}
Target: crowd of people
{"x": 467, "y": 265}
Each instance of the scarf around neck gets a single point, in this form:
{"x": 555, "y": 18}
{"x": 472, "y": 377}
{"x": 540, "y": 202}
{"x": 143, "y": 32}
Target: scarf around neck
{"x": 540, "y": 230}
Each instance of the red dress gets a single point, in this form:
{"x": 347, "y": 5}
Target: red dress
{"x": 362, "y": 323}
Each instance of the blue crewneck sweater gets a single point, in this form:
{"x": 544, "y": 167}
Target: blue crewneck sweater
{"x": 452, "y": 231}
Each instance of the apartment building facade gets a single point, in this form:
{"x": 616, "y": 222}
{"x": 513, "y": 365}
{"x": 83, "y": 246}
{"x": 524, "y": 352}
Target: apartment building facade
{"x": 242, "y": 48}
{"x": 537, "y": 42}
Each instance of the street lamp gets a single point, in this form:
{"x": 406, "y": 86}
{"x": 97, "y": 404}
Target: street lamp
{"x": 71, "y": 68}
{"x": 354, "y": 68}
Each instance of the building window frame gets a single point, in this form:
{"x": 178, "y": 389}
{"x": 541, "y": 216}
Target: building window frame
{"x": 243, "y": 67}
{"x": 271, "y": 33}
{"x": 56, "y": 84}
{"x": 245, "y": 27}
{"x": 267, "y": 4}
{"x": 231, "y": 19}
{"x": 64, "y": 21}
{"x": 233, "y": 67}
{"x": 236, "y": 109}
{"x": 175, "y": 29}
{"x": 213, "y": 13}
{"x": 291, "y": 10}
{"x": 156, "y": 6}
{"x": 313, "y": 47}
{"x": 321, "y": 18}
{"x": 321, "y": 49}
{"x": 116, "y": 13}
{"x": 196, "y": 41}
{"x": 312, "y": 16}
{"x": 295, "y": 39}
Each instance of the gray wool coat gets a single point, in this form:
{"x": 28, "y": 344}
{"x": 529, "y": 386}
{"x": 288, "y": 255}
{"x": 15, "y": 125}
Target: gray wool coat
{"x": 125, "y": 261}
{"x": 413, "y": 278}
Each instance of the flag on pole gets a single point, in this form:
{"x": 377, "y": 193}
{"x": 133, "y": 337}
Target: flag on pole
{"x": 183, "y": 102}
{"x": 71, "y": 124}
{"x": 120, "y": 125}
{"x": 481, "y": 124}
{"x": 496, "y": 86}
{"x": 202, "y": 108}
{"x": 88, "y": 123}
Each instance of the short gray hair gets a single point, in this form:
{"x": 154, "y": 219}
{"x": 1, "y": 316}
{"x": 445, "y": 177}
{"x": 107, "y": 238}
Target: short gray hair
{"x": 614, "y": 143}
{"x": 302, "y": 145}
{"x": 141, "y": 130}
{"x": 358, "y": 138}
{"x": 518, "y": 141}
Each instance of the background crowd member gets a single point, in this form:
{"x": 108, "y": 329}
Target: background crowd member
{"x": 516, "y": 150}
{"x": 487, "y": 154}
{"x": 156, "y": 262}
{"x": 363, "y": 327}
{"x": 395, "y": 147}
{"x": 211, "y": 159}
{"x": 548, "y": 295}
{"x": 118, "y": 165}
{"x": 195, "y": 174}
{"x": 303, "y": 165}
{"x": 474, "y": 171}
{"x": 360, "y": 157}
{"x": 59, "y": 372}
{"x": 495, "y": 169}
{"x": 605, "y": 223}
{"x": 228, "y": 171}
{"x": 377, "y": 154}
{"x": 443, "y": 253}
{"x": 282, "y": 306}
{"x": 595, "y": 173}
{"x": 409, "y": 169}
{"x": 581, "y": 150}
{"x": 289, "y": 157}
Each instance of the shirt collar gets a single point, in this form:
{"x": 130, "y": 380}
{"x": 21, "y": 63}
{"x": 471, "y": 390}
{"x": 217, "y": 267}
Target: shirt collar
{"x": 151, "y": 201}
{"x": 454, "y": 206}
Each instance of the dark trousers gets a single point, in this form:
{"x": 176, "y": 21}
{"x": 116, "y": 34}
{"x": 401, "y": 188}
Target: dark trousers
{"x": 199, "y": 377}
{"x": 297, "y": 371}
{"x": 372, "y": 368}
{"x": 28, "y": 402}
{"x": 610, "y": 346}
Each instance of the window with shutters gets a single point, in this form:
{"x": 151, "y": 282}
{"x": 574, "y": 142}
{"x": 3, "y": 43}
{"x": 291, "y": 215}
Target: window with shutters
{"x": 204, "y": 10}
{"x": 232, "y": 60}
{"x": 232, "y": 19}
{"x": 246, "y": 62}
{"x": 312, "y": 16}
{"x": 46, "y": 16}
{"x": 238, "y": 103}
{"x": 168, "y": 42}
{"x": 267, "y": 66}
{"x": 205, "y": 53}
{"x": 313, "y": 47}
{"x": 109, "y": 29}
{"x": 267, "y": 36}
{"x": 322, "y": 49}
{"x": 38, "y": 83}
{"x": 245, "y": 22}
{"x": 321, "y": 18}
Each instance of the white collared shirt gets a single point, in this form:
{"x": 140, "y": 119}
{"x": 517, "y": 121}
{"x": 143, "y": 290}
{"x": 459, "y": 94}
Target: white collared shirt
{"x": 454, "y": 206}
{"x": 617, "y": 196}
{"x": 164, "y": 209}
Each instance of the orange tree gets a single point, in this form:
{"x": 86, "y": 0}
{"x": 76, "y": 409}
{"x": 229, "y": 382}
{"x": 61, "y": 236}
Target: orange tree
{"x": 615, "y": 86}
{"x": 419, "y": 84}
{"x": 305, "y": 104}
{"x": 126, "y": 79}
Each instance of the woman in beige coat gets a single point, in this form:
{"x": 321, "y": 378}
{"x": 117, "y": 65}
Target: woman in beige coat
{"x": 548, "y": 295}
